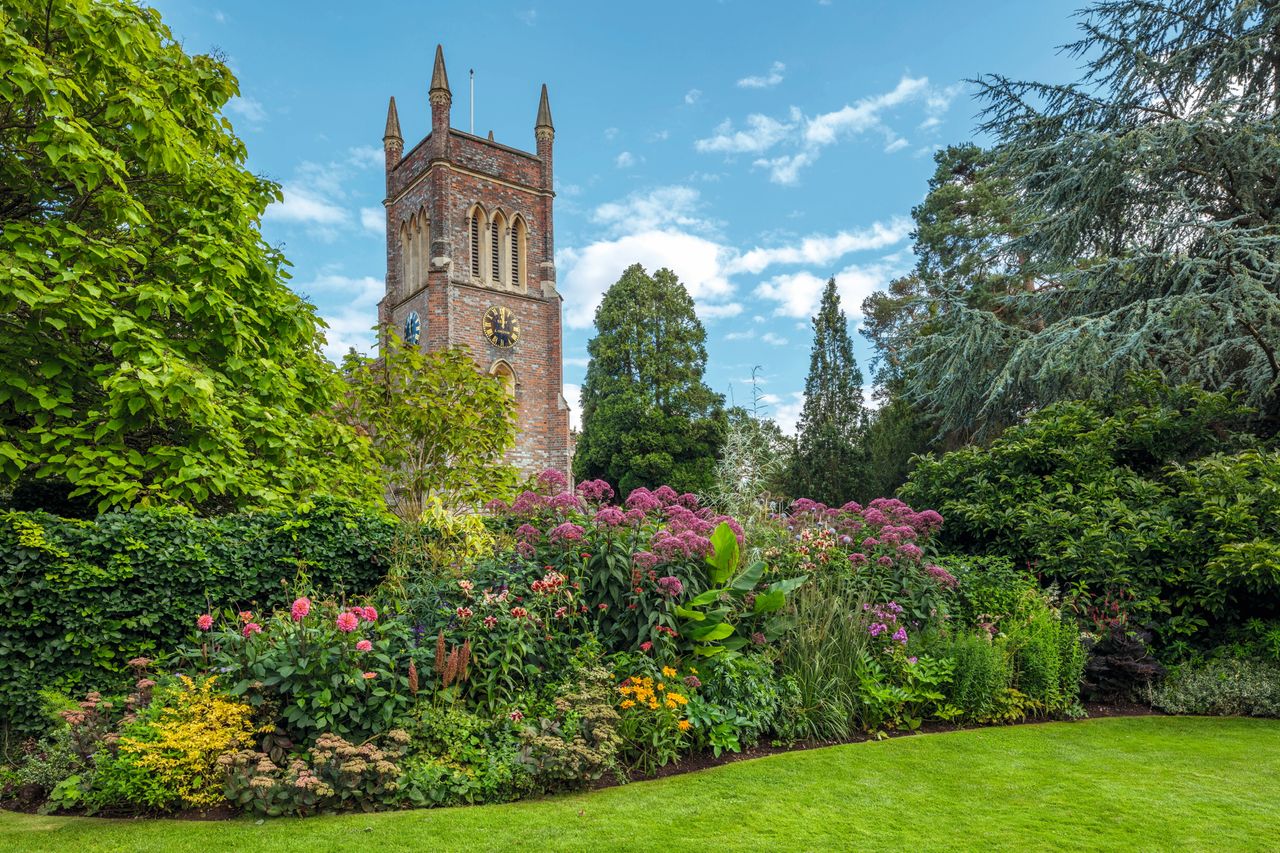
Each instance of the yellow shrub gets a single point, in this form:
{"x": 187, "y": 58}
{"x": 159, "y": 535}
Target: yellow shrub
{"x": 181, "y": 746}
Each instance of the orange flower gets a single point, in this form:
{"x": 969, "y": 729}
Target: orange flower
{"x": 685, "y": 725}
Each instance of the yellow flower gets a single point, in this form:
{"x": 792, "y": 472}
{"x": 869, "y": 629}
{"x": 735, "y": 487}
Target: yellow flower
{"x": 685, "y": 725}
{"x": 668, "y": 672}
{"x": 676, "y": 697}
{"x": 661, "y": 686}
{"x": 627, "y": 703}
{"x": 671, "y": 706}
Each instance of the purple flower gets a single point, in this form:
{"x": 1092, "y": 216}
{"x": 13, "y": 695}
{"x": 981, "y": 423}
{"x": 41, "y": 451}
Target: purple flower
{"x": 552, "y": 480}
{"x": 666, "y": 494}
{"x": 885, "y": 560}
{"x": 634, "y": 516}
{"x": 852, "y": 506}
{"x": 870, "y": 542}
{"x": 528, "y": 533}
{"x": 645, "y": 559}
{"x": 643, "y": 499}
{"x": 900, "y": 635}
{"x": 527, "y": 502}
{"x": 671, "y": 585}
{"x": 688, "y": 499}
{"x": 564, "y": 502}
{"x": 595, "y": 490}
{"x": 877, "y": 628}
{"x": 496, "y": 505}
{"x": 911, "y": 551}
{"x": 758, "y": 638}
{"x": 942, "y": 576}
{"x": 610, "y": 516}
{"x": 567, "y": 532}
{"x": 875, "y": 516}
{"x": 858, "y": 559}
{"x": 912, "y": 660}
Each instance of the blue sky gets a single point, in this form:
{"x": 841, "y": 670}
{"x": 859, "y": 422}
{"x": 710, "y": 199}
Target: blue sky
{"x": 756, "y": 148}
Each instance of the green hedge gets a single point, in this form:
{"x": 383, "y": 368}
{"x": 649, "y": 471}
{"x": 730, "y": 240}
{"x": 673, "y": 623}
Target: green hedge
{"x": 81, "y": 598}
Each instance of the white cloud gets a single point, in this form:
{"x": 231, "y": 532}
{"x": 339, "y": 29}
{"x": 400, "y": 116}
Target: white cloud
{"x": 319, "y": 195}
{"x": 764, "y": 81}
{"x": 587, "y": 272}
{"x": 808, "y": 135}
{"x": 625, "y": 160}
{"x": 760, "y": 134}
{"x": 220, "y": 16}
{"x": 249, "y": 109}
{"x": 653, "y": 209}
{"x": 797, "y": 294}
{"x": 610, "y": 134}
{"x": 785, "y": 411}
{"x": 823, "y": 249}
{"x": 573, "y": 396}
{"x": 692, "y": 96}
{"x": 373, "y": 220}
{"x": 351, "y": 324}
{"x": 773, "y": 339}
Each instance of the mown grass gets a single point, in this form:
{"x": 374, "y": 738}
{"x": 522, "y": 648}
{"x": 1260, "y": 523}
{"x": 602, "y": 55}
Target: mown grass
{"x": 1150, "y": 783}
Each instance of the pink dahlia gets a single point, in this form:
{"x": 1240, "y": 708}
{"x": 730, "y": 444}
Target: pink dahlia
{"x": 347, "y": 622}
{"x": 301, "y": 607}
{"x": 370, "y": 614}
{"x": 251, "y": 628}
{"x": 204, "y": 621}
{"x": 364, "y": 646}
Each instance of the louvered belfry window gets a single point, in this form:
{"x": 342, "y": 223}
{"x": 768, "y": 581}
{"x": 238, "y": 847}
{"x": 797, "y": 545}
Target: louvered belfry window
{"x": 475, "y": 246}
{"x": 495, "y": 250}
{"x": 515, "y": 256}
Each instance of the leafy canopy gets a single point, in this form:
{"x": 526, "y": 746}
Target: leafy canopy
{"x": 439, "y": 427}
{"x": 648, "y": 419}
{"x": 151, "y": 352}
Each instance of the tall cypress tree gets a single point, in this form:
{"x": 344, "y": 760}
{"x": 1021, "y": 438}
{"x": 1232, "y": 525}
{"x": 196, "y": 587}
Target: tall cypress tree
{"x": 828, "y": 462}
{"x": 648, "y": 419}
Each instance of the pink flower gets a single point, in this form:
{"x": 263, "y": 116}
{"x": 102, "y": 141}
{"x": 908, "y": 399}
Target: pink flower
{"x": 885, "y": 560}
{"x": 496, "y": 505}
{"x": 490, "y": 622}
{"x": 858, "y": 559}
{"x": 643, "y": 499}
{"x": 671, "y": 585}
{"x": 528, "y": 533}
{"x": 646, "y": 645}
{"x": 912, "y": 659}
{"x": 204, "y": 622}
{"x": 251, "y": 628}
{"x": 595, "y": 490}
{"x": 364, "y": 646}
{"x": 942, "y": 576}
{"x": 370, "y": 614}
{"x": 610, "y": 516}
{"x": 645, "y": 559}
{"x": 567, "y": 532}
{"x": 464, "y": 613}
{"x": 877, "y": 628}
{"x": 348, "y": 622}
{"x": 910, "y": 550}
{"x": 519, "y": 612}
{"x": 551, "y": 479}
{"x": 301, "y": 607}
{"x": 516, "y": 716}
{"x": 369, "y": 675}
{"x": 561, "y": 612}
{"x": 666, "y": 494}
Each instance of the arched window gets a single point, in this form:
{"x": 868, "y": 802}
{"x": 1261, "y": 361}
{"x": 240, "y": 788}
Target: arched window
{"x": 404, "y": 259}
{"x": 411, "y": 282}
{"x": 517, "y": 252}
{"x": 479, "y": 229}
{"x": 502, "y": 369}
{"x": 421, "y": 236}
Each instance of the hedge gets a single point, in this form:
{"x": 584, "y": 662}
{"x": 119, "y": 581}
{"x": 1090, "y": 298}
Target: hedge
{"x": 81, "y": 598}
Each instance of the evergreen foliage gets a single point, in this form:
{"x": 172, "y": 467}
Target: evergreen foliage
{"x": 648, "y": 419}
{"x": 828, "y": 462}
{"x": 1127, "y": 221}
{"x": 152, "y": 352}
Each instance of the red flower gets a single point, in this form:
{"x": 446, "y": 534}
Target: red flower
{"x": 646, "y": 645}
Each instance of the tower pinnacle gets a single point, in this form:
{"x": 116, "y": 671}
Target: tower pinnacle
{"x": 439, "y": 79}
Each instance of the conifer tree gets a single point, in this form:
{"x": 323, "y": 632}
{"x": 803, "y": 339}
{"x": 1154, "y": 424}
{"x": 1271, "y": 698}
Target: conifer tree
{"x": 828, "y": 461}
{"x": 648, "y": 419}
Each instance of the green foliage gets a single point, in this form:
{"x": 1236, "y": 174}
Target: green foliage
{"x": 896, "y": 432}
{"x": 1228, "y": 687}
{"x": 981, "y": 678}
{"x": 752, "y": 466}
{"x": 438, "y": 426}
{"x": 734, "y": 609}
{"x": 1048, "y": 661}
{"x": 746, "y": 688}
{"x": 307, "y": 675}
{"x": 988, "y": 589}
{"x": 828, "y": 462}
{"x": 334, "y": 776}
{"x": 647, "y": 416}
{"x": 458, "y": 757}
{"x": 153, "y": 353}
{"x": 577, "y": 741}
{"x": 86, "y": 597}
{"x": 1140, "y": 496}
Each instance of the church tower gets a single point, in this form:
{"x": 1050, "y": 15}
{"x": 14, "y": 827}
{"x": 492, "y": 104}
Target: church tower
{"x": 470, "y": 262}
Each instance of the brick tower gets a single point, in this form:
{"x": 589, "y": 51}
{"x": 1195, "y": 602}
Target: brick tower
{"x": 470, "y": 262}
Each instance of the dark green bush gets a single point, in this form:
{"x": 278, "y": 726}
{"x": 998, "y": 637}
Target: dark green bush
{"x": 82, "y": 598}
{"x": 981, "y": 676}
{"x": 1154, "y": 499}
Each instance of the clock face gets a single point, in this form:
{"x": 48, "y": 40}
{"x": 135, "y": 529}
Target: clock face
{"x": 501, "y": 326}
{"x": 412, "y": 328}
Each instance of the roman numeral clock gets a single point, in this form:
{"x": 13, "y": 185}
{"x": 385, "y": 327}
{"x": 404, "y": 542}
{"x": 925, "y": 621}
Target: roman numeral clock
{"x": 501, "y": 327}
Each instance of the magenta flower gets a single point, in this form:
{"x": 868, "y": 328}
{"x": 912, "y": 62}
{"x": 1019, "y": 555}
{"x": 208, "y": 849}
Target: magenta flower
{"x": 552, "y": 480}
{"x": 527, "y": 502}
{"x": 858, "y": 559}
{"x": 204, "y": 622}
{"x": 369, "y": 614}
{"x": 567, "y": 532}
{"x": 348, "y": 622}
{"x": 496, "y": 506}
{"x": 528, "y": 533}
{"x": 564, "y": 502}
{"x": 900, "y": 635}
{"x": 301, "y": 607}
{"x": 595, "y": 490}
{"x": 885, "y": 560}
{"x": 666, "y": 494}
{"x": 610, "y": 516}
{"x": 870, "y": 542}
{"x": 942, "y": 576}
{"x": 877, "y": 628}
{"x": 671, "y": 585}
{"x": 643, "y": 499}
{"x": 364, "y": 646}
{"x": 250, "y": 629}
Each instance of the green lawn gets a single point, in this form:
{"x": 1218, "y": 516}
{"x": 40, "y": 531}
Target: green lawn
{"x": 1151, "y": 783}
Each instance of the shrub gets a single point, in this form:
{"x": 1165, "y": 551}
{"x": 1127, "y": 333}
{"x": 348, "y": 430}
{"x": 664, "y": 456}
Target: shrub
{"x": 1120, "y": 667}
{"x": 1227, "y": 687}
{"x": 987, "y": 589}
{"x": 653, "y": 724}
{"x": 85, "y": 597}
{"x": 1150, "y": 494}
{"x": 746, "y": 689}
{"x": 1048, "y": 659}
{"x": 458, "y": 757}
{"x": 336, "y": 776}
{"x": 316, "y": 668}
{"x": 577, "y": 742}
{"x": 981, "y": 677}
